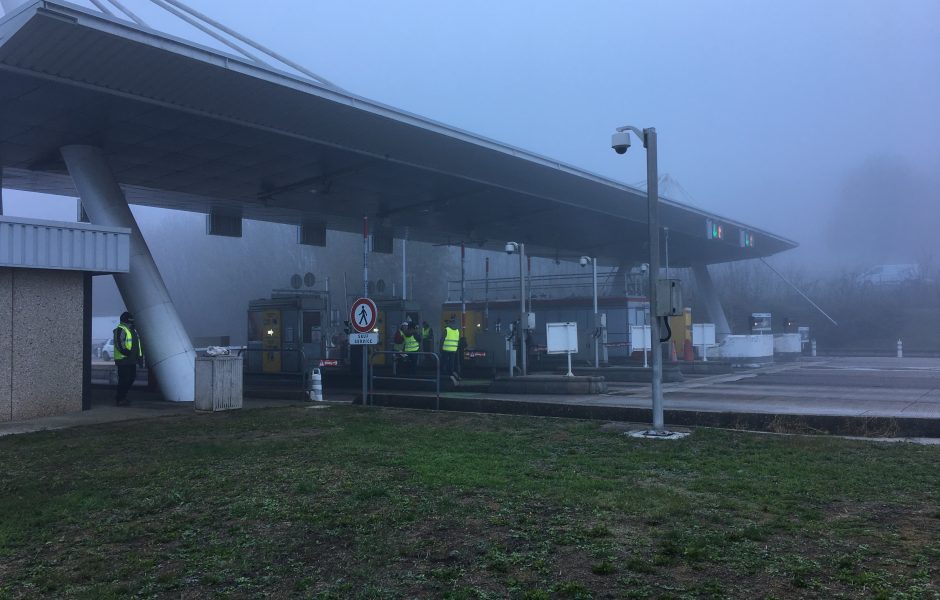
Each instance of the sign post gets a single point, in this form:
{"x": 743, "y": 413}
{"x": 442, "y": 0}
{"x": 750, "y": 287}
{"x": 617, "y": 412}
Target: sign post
{"x": 703, "y": 335}
{"x": 640, "y": 337}
{"x": 562, "y": 339}
{"x": 365, "y": 294}
{"x": 363, "y": 316}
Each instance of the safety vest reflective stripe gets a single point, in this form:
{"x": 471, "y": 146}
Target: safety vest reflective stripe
{"x": 451, "y": 339}
{"x": 411, "y": 344}
{"x": 425, "y": 332}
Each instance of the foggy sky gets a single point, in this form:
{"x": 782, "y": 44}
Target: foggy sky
{"x": 765, "y": 111}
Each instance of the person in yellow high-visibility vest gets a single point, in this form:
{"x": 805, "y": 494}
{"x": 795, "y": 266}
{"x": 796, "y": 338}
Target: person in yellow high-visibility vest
{"x": 410, "y": 345}
{"x": 450, "y": 341}
{"x": 128, "y": 354}
{"x": 427, "y": 337}
{"x": 427, "y": 343}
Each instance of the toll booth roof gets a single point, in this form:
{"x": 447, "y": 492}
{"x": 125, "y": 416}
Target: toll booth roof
{"x": 191, "y": 128}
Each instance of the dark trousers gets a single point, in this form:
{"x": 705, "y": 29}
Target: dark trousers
{"x": 448, "y": 363}
{"x": 409, "y": 365}
{"x": 127, "y": 373}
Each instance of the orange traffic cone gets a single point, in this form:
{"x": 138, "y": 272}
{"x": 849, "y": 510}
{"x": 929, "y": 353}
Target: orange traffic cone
{"x": 688, "y": 352}
{"x": 672, "y": 353}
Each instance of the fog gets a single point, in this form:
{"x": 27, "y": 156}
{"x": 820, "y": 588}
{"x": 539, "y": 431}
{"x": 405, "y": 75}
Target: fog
{"x": 815, "y": 121}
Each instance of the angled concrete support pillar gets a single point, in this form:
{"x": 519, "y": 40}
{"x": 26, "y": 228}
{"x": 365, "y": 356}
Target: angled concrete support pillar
{"x": 704, "y": 280}
{"x": 169, "y": 350}
{"x": 8, "y": 5}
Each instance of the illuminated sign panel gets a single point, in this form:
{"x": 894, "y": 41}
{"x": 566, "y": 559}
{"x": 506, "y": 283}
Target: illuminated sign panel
{"x": 714, "y": 230}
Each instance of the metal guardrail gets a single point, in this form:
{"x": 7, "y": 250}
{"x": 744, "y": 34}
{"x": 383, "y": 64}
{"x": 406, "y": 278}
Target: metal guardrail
{"x": 437, "y": 372}
{"x": 303, "y": 356}
{"x": 303, "y": 361}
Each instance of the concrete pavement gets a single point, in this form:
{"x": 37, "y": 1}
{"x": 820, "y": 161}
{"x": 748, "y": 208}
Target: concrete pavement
{"x": 843, "y": 395}
{"x": 832, "y": 394}
{"x": 144, "y": 405}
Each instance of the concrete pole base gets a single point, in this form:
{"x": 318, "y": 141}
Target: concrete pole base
{"x": 652, "y": 434}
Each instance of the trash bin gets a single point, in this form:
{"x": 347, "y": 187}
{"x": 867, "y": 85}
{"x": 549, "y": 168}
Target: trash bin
{"x": 218, "y": 383}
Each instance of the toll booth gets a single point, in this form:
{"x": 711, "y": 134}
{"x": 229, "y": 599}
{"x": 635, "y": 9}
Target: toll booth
{"x": 761, "y": 324}
{"x": 487, "y": 327}
{"x": 293, "y": 331}
{"x": 492, "y": 306}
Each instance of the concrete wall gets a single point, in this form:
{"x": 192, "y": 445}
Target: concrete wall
{"x": 6, "y": 344}
{"x": 41, "y": 342}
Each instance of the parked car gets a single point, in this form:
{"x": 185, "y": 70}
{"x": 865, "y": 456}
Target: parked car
{"x": 107, "y": 350}
{"x": 890, "y": 275}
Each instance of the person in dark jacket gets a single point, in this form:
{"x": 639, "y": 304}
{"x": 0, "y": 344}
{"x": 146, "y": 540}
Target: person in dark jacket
{"x": 128, "y": 354}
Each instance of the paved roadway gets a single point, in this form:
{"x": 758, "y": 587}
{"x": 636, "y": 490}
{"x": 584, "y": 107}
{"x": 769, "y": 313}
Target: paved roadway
{"x": 858, "y": 386}
{"x": 866, "y": 387}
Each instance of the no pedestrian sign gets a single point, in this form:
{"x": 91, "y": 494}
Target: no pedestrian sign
{"x": 363, "y": 315}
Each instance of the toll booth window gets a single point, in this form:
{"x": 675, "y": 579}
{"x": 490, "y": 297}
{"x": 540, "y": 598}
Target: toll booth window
{"x": 311, "y": 323}
{"x": 255, "y": 326}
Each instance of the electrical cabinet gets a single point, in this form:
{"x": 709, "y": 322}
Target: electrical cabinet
{"x": 668, "y": 298}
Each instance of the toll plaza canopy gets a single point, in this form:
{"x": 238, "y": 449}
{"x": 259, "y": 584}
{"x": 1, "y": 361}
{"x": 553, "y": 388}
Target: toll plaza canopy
{"x": 191, "y": 128}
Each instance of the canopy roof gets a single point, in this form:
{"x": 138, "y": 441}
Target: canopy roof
{"x": 191, "y": 128}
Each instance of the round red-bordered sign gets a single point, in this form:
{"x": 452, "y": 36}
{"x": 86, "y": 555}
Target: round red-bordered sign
{"x": 363, "y": 315}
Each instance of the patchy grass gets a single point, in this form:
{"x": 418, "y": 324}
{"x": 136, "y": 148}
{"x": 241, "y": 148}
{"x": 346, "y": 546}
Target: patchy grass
{"x": 355, "y": 502}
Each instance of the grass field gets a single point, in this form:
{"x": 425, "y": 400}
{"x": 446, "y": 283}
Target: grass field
{"x": 349, "y": 502}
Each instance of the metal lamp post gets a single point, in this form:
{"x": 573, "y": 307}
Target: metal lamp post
{"x": 620, "y": 143}
{"x": 593, "y": 261}
{"x": 510, "y": 248}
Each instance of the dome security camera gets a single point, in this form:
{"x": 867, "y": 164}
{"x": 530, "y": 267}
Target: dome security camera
{"x": 620, "y": 141}
{"x": 584, "y": 261}
{"x": 510, "y": 247}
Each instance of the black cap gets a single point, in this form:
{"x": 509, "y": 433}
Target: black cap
{"x": 127, "y": 317}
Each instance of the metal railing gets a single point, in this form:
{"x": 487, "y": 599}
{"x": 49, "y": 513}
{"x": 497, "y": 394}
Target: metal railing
{"x": 411, "y": 355}
{"x": 303, "y": 362}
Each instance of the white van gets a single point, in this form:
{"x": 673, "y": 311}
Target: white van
{"x": 890, "y": 275}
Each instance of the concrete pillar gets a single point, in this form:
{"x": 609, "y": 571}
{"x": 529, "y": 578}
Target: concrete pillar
{"x": 705, "y": 286}
{"x": 169, "y": 350}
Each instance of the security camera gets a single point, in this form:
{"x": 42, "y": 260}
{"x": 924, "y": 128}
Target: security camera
{"x": 584, "y": 261}
{"x": 620, "y": 142}
{"x": 510, "y": 247}
{"x": 644, "y": 267}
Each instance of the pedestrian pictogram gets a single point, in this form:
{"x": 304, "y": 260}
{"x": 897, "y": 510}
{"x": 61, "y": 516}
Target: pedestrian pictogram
{"x": 363, "y": 315}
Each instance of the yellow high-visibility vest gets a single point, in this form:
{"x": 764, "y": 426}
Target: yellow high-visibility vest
{"x": 451, "y": 339}
{"x": 411, "y": 343}
{"x": 122, "y": 353}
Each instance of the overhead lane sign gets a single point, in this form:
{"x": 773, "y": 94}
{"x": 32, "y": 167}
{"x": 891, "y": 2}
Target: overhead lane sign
{"x": 363, "y": 315}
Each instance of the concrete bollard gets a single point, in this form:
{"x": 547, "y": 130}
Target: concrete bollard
{"x": 315, "y": 386}
{"x": 812, "y": 348}
{"x": 900, "y": 349}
